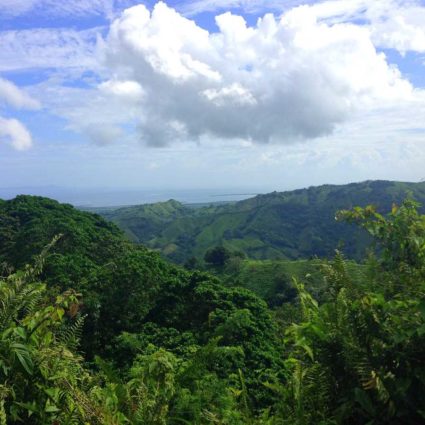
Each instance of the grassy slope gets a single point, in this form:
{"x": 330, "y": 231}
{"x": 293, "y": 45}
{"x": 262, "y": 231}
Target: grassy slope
{"x": 279, "y": 225}
{"x": 272, "y": 280}
{"x": 147, "y": 220}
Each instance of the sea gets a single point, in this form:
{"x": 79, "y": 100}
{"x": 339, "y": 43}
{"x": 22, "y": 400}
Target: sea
{"x": 106, "y": 197}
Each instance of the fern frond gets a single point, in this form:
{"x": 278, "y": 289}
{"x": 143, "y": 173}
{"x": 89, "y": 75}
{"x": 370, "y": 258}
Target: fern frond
{"x": 70, "y": 335}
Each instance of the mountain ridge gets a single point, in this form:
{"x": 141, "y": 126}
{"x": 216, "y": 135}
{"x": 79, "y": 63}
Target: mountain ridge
{"x": 278, "y": 225}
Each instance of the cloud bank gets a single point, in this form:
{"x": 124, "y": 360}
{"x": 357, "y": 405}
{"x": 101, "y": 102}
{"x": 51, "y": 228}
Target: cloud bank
{"x": 286, "y": 79}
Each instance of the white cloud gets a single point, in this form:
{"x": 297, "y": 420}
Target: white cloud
{"x": 165, "y": 79}
{"x": 402, "y": 29}
{"x": 234, "y": 93}
{"x": 15, "y": 97}
{"x": 283, "y": 80}
{"x": 101, "y": 114}
{"x": 395, "y": 24}
{"x": 14, "y": 132}
{"x": 10, "y": 8}
{"x": 126, "y": 89}
{"x": 48, "y": 48}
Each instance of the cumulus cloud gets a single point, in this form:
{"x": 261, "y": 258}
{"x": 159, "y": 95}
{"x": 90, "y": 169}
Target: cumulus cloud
{"x": 14, "y": 132}
{"x": 393, "y": 24}
{"x": 403, "y": 30}
{"x": 13, "y": 96}
{"x": 162, "y": 78}
{"x": 285, "y": 79}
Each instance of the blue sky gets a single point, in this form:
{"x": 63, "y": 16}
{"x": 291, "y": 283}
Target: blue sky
{"x": 269, "y": 95}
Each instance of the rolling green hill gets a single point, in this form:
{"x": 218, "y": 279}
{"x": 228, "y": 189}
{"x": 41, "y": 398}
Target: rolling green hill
{"x": 279, "y": 225}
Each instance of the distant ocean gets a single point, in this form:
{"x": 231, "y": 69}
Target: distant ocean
{"x": 115, "y": 197}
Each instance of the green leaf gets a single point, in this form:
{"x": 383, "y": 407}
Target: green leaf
{"x": 30, "y": 407}
{"x": 364, "y": 400}
{"x": 21, "y": 332}
{"x": 24, "y": 357}
{"x": 421, "y": 308}
{"x": 51, "y": 408}
{"x": 421, "y": 330}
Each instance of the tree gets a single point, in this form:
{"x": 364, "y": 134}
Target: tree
{"x": 217, "y": 256}
{"x": 191, "y": 264}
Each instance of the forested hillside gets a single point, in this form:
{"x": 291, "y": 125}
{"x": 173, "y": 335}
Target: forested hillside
{"x": 279, "y": 225}
{"x": 135, "y": 303}
{"x": 97, "y": 330}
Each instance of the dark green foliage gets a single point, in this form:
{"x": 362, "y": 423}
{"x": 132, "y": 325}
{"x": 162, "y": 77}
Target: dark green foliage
{"x": 132, "y": 298}
{"x": 192, "y": 263}
{"x": 358, "y": 357}
{"x": 164, "y": 345}
{"x": 28, "y": 223}
{"x": 286, "y": 225}
{"x": 186, "y": 318}
{"x": 42, "y": 380}
{"x": 217, "y": 256}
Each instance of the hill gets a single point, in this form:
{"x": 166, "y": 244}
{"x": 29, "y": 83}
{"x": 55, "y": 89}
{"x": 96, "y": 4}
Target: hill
{"x": 279, "y": 225}
{"x": 132, "y": 299}
{"x": 147, "y": 220}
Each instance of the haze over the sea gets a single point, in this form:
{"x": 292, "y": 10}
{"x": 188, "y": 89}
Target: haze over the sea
{"x": 107, "y": 197}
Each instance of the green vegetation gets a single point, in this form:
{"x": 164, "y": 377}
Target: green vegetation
{"x": 136, "y": 305}
{"x": 272, "y": 280}
{"x": 97, "y": 330}
{"x": 358, "y": 357}
{"x": 288, "y": 225}
{"x": 147, "y": 220}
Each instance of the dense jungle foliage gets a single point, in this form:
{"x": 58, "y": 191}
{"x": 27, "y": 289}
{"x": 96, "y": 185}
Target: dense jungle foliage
{"x": 298, "y": 224}
{"x": 97, "y": 330}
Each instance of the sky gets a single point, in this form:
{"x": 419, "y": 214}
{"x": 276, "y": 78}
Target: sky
{"x": 257, "y": 94}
